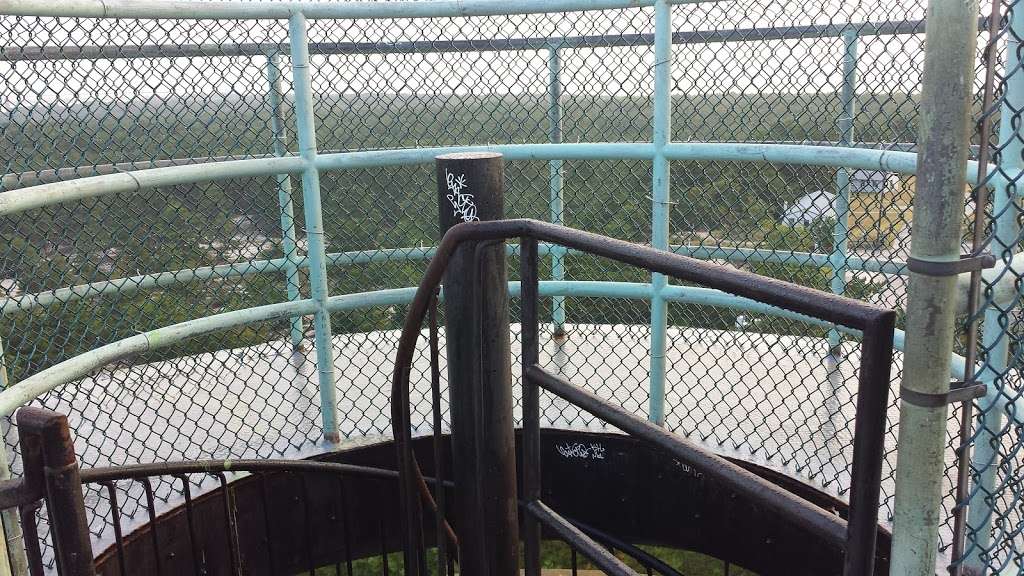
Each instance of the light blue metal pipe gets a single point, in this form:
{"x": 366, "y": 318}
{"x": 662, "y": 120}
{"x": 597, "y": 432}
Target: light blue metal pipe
{"x": 841, "y": 231}
{"x": 86, "y": 363}
{"x": 284, "y": 191}
{"x": 994, "y": 338}
{"x": 23, "y": 199}
{"x": 81, "y": 366}
{"x": 660, "y": 194}
{"x": 173, "y": 278}
{"x": 515, "y": 152}
{"x": 857, "y": 158}
{"x": 304, "y": 120}
{"x": 128, "y": 285}
{"x": 556, "y": 205}
{"x": 736, "y": 254}
{"x": 206, "y": 10}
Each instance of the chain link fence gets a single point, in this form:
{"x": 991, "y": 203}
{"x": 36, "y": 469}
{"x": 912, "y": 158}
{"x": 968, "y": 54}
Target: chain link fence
{"x": 84, "y": 97}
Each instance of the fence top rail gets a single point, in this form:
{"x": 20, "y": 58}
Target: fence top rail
{"x": 252, "y": 49}
{"x": 235, "y": 9}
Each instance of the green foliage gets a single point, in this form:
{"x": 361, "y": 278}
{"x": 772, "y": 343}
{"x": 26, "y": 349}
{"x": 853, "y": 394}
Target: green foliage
{"x": 189, "y": 226}
{"x": 557, "y": 555}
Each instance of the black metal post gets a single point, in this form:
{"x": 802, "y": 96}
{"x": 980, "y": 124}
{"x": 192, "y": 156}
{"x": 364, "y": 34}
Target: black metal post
{"x": 531, "y": 402}
{"x": 45, "y": 435}
{"x": 869, "y": 444}
{"x": 471, "y": 188}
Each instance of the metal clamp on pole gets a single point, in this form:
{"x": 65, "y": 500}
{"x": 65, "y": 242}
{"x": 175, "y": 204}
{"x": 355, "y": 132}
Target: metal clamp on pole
{"x": 966, "y": 263}
{"x": 958, "y": 392}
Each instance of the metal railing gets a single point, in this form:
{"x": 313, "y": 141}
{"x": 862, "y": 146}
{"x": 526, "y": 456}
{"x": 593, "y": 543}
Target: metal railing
{"x": 126, "y": 179}
{"x": 876, "y": 325}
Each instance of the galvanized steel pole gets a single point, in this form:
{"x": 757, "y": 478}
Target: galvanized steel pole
{"x": 950, "y": 43}
{"x": 316, "y": 246}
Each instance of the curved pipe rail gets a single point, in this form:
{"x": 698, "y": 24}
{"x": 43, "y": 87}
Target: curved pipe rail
{"x": 134, "y": 181}
{"x": 189, "y": 9}
{"x": 129, "y": 284}
{"x": 877, "y": 324}
{"x": 78, "y": 367}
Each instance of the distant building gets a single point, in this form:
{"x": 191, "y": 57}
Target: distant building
{"x": 880, "y": 206}
{"x": 810, "y": 208}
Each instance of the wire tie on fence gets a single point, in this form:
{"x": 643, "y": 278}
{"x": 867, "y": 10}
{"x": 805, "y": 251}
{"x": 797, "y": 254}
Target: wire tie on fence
{"x": 662, "y": 202}
{"x": 958, "y": 392}
{"x": 938, "y": 268}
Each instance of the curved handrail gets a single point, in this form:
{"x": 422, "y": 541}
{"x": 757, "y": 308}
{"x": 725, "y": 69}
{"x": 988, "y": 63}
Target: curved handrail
{"x": 134, "y": 181}
{"x": 876, "y": 322}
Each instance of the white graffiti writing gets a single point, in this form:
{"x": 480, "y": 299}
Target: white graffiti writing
{"x": 462, "y": 202}
{"x": 581, "y": 451}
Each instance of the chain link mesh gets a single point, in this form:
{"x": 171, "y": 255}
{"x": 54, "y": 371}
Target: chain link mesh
{"x": 82, "y": 97}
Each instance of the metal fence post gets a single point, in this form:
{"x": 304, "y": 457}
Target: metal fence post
{"x": 316, "y": 250}
{"x": 840, "y": 233}
{"x": 284, "y": 191}
{"x": 661, "y": 135}
{"x": 556, "y": 207}
{"x": 950, "y": 42}
{"x": 12, "y": 550}
{"x": 995, "y": 342}
{"x": 531, "y": 403}
{"x": 470, "y": 188}
{"x": 50, "y": 460}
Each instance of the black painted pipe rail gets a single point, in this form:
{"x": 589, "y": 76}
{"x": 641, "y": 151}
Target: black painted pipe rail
{"x": 857, "y": 537}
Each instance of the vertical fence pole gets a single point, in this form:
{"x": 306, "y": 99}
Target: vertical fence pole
{"x": 284, "y": 190}
{"x": 661, "y": 134}
{"x": 12, "y": 549}
{"x": 531, "y": 402}
{"x": 471, "y": 187}
{"x": 305, "y": 127}
{"x": 995, "y": 341}
{"x": 50, "y": 459}
{"x": 556, "y": 205}
{"x": 950, "y": 42}
{"x": 840, "y": 233}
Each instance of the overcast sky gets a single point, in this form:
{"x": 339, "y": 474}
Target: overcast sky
{"x": 887, "y": 63}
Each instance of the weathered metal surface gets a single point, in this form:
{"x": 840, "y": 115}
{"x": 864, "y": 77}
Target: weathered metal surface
{"x": 471, "y": 188}
{"x": 647, "y": 497}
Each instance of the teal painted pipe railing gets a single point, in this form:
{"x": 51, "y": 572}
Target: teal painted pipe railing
{"x": 841, "y": 231}
{"x": 49, "y": 194}
{"x": 318, "y": 290}
{"x": 80, "y": 366}
{"x": 284, "y": 191}
{"x": 367, "y": 9}
{"x": 168, "y": 279}
{"x": 661, "y": 135}
{"x": 555, "y": 175}
{"x": 308, "y": 164}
